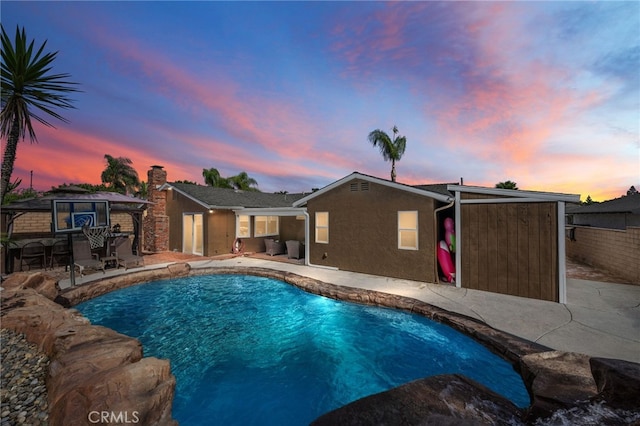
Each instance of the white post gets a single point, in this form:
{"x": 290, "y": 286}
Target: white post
{"x": 458, "y": 241}
{"x": 307, "y": 242}
{"x": 562, "y": 265}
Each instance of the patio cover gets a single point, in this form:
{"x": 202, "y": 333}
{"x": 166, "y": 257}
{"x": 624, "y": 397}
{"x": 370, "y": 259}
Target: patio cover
{"x": 44, "y": 203}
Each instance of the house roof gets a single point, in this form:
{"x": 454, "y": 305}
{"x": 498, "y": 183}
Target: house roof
{"x": 424, "y": 190}
{"x": 627, "y": 204}
{"x": 438, "y": 188}
{"x": 224, "y": 198}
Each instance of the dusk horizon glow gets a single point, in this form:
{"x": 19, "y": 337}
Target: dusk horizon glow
{"x": 545, "y": 94}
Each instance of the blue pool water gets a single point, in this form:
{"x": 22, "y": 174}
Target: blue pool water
{"x": 253, "y": 350}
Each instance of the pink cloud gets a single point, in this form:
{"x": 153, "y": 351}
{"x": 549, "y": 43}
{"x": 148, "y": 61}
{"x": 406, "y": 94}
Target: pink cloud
{"x": 64, "y": 155}
{"x": 266, "y": 122}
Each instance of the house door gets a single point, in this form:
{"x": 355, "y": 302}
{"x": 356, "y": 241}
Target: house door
{"x": 192, "y": 233}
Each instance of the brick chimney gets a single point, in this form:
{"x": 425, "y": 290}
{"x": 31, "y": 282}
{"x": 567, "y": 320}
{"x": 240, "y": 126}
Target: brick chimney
{"x": 156, "y": 223}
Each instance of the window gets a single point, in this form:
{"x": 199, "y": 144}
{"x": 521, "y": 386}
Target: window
{"x": 266, "y": 225}
{"x": 408, "y": 230}
{"x": 243, "y": 226}
{"x": 322, "y": 227}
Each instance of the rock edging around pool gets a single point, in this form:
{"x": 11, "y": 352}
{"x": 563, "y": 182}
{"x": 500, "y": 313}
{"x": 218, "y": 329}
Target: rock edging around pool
{"x": 95, "y": 375}
{"x": 555, "y": 380}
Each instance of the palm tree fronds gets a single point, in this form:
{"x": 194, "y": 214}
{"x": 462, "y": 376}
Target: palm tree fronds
{"x": 391, "y": 150}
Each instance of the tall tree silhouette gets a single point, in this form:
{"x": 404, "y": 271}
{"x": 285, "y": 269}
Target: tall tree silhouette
{"x": 27, "y": 84}
{"x": 120, "y": 175}
{"x": 213, "y": 178}
{"x": 391, "y": 149}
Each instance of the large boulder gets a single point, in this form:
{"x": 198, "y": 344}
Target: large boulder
{"x": 556, "y": 381}
{"x": 83, "y": 352}
{"x": 618, "y": 382}
{"x": 439, "y": 400}
{"x": 38, "y": 318}
{"x": 138, "y": 392}
{"x": 40, "y": 282}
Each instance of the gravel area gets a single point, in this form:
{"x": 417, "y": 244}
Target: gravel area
{"x": 23, "y": 393}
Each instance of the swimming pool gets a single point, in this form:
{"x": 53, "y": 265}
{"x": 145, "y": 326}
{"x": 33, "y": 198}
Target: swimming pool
{"x": 255, "y": 350}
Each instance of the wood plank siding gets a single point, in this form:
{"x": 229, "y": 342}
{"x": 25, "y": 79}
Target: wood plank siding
{"x": 510, "y": 248}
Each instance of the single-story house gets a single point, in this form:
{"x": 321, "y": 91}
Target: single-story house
{"x": 365, "y": 224}
{"x": 207, "y": 221}
{"x": 505, "y": 241}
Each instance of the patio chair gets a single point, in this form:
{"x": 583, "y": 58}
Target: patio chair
{"x": 124, "y": 255}
{"x": 295, "y": 249}
{"x": 31, "y": 253}
{"x": 60, "y": 250}
{"x": 274, "y": 247}
{"x": 83, "y": 258}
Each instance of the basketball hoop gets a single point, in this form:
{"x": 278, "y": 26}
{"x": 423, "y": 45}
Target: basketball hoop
{"x": 96, "y": 235}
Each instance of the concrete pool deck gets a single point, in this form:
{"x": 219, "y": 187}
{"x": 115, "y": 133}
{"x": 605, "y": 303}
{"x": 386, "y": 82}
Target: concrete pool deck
{"x": 600, "y": 319}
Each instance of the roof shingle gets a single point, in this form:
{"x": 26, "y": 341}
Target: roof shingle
{"x": 232, "y": 198}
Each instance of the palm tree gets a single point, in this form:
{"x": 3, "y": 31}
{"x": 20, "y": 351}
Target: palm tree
{"x": 213, "y": 178}
{"x": 119, "y": 175}
{"x": 143, "y": 190}
{"x": 243, "y": 182}
{"x": 26, "y": 84}
{"x": 390, "y": 149}
{"x": 507, "y": 185}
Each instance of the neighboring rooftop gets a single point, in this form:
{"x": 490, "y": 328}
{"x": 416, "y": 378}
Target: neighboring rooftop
{"x": 626, "y": 204}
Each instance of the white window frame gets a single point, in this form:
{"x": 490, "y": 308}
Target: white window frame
{"x": 267, "y": 220}
{"x": 239, "y": 220}
{"x": 403, "y": 230}
{"x": 322, "y": 227}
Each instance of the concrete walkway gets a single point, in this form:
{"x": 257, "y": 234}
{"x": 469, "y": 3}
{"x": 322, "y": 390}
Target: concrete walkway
{"x": 600, "y": 319}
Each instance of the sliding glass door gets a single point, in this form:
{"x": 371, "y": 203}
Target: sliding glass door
{"x": 193, "y": 233}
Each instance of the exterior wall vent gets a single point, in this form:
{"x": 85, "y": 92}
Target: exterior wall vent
{"x": 364, "y": 186}
{"x": 353, "y": 187}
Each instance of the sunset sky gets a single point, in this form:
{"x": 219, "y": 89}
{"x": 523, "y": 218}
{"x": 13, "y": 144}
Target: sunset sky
{"x": 546, "y": 94}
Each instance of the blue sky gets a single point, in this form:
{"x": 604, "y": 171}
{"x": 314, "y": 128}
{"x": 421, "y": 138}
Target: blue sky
{"x": 546, "y": 94}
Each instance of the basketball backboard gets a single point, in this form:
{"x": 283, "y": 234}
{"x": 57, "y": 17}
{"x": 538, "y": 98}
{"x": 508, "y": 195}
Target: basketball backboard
{"x": 71, "y": 215}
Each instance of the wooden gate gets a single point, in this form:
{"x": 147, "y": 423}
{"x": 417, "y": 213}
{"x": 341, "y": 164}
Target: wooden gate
{"x": 510, "y": 248}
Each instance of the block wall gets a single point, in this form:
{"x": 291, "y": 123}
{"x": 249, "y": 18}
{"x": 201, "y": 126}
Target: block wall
{"x": 615, "y": 251}
{"x": 33, "y": 222}
{"x": 40, "y": 222}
